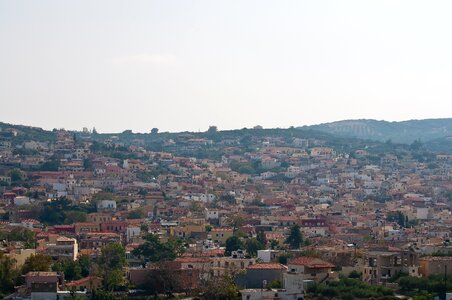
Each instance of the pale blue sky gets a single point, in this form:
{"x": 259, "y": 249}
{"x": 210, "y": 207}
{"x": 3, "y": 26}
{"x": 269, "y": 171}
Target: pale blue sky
{"x": 185, "y": 65}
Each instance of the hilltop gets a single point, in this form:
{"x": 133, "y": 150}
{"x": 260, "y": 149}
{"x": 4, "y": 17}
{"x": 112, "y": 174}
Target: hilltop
{"x": 436, "y": 134}
{"x": 398, "y": 132}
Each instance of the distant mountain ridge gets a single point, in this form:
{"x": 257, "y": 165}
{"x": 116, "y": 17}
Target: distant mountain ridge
{"x": 438, "y": 132}
{"x": 400, "y": 132}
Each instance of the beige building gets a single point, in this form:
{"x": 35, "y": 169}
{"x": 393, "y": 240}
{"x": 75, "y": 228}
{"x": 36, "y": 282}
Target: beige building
{"x": 311, "y": 268}
{"x": 431, "y": 265}
{"x": 64, "y": 248}
{"x": 20, "y": 255}
{"x": 220, "y": 235}
{"x": 382, "y": 265}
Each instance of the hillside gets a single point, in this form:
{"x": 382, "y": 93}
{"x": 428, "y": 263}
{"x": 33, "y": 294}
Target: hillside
{"x": 436, "y": 134}
{"x": 25, "y": 133}
{"x": 398, "y": 132}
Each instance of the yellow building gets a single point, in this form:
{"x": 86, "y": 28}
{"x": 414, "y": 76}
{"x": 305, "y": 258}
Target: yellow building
{"x": 220, "y": 235}
{"x": 20, "y": 255}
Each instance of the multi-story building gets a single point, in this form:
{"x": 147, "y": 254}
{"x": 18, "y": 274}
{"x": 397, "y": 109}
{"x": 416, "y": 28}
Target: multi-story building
{"x": 381, "y": 265}
{"x": 64, "y": 248}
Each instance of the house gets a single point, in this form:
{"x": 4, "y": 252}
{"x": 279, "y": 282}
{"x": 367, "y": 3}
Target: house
{"x": 258, "y": 275}
{"x": 322, "y": 152}
{"x": 114, "y": 226}
{"x": 151, "y": 277}
{"x": 20, "y": 255}
{"x": 106, "y": 205}
{"x": 220, "y": 235}
{"x": 96, "y": 240}
{"x": 132, "y": 233}
{"x": 22, "y": 200}
{"x": 232, "y": 264}
{"x": 84, "y": 227}
{"x": 44, "y": 285}
{"x": 434, "y": 265}
{"x": 212, "y": 214}
{"x": 382, "y": 264}
{"x": 312, "y": 268}
{"x": 99, "y": 217}
{"x": 267, "y": 255}
{"x": 269, "y": 294}
{"x": 6, "y": 179}
{"x": 64, "y": 248}
{"x": 89, "y": 284}
{"x": 293, "y": 289}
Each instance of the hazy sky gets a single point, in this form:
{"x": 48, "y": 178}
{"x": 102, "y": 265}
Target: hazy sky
{"x": 185, "y": 65}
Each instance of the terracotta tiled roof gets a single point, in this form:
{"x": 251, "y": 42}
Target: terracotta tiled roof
{"x": 269, "y": 266}
{"x": 213, "y": 252}
{"x": 40, "y": 273}
{"x": 82, "y": 281}
{"x": 191, "y": 260}
{"x": 222, "y": 230}
{"x": 310, "y": 262}
{"x": 33, "y": 221}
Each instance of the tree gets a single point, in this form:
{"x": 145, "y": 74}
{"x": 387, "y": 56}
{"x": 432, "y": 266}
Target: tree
{"x": 143, "y": 192}
{"x": 144, "y": 228}
{"x": 153, "y": 250}
{"x": 236, "y": 221}
{"x": 262, "y": 238}
{"x": 50, "y": 165}
{"x": 8, "y": 275}
{"x": 136, "y": 214}
{"x": 275, "y": 284}
{"x": 295, "y": 239}
{"x": 74, "y": 216}
{"x": 112, "y": 262}
{"x": 252, "y": 245}
{"x": 220, "y": 288}
{"x": 154, "y": 130}
{"x": 274, "y": 244}
{"x": 113, "y": 256}
{"x": 16, "y": 175}
{"x": 354, "y": 274}
{"x": 20, "y": 234}
{"x": 35, "y": 263}
{"x": 163, "y": 279}
{"x": 348, "y": 288}
{"x": 87, "y": 164}
{"x": 113, "y": 279}
{"x": 416, "y": 145}
{"x": 284, "y": 258}
{"x": 84, "y": 262}
{"x": 398, "y": 217}
{"x": 232, "y": 244}
{"x": 70, "y": 268}
{"x": 212, "y": 129}
{"x": 102, "y": 295}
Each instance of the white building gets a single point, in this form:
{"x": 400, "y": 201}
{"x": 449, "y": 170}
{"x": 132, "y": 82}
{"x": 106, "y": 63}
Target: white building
{"x": 22, "y": 200}
{"x": 132, "y": 233}
{"x": 267, "y": 256}
{"x": 106, "y": 205}
{"x": 212, "y": 214}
